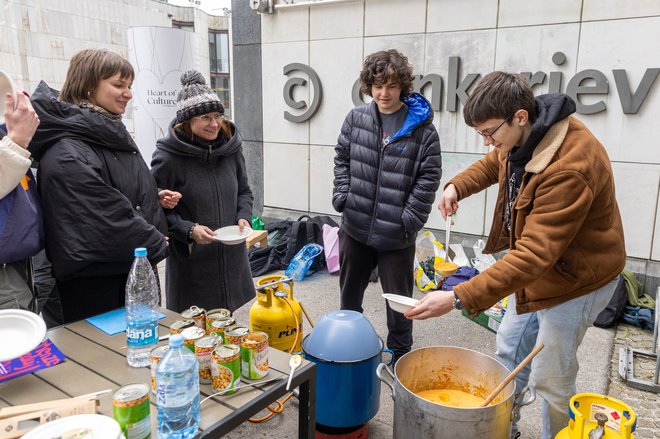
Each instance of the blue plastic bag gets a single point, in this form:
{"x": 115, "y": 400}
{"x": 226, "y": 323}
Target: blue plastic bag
{"x": 300, "y": 263}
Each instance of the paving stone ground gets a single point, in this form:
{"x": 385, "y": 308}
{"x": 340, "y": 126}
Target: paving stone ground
{"x": 645, "y": 404}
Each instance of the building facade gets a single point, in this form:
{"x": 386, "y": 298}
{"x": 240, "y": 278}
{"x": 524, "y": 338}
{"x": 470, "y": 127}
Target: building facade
{"x": 38, "y": 37}
{"x": 601, "y": 52}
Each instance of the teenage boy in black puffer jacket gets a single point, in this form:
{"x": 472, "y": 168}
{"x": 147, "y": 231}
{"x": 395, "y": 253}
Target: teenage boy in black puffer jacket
{"x": 387, "y": 170}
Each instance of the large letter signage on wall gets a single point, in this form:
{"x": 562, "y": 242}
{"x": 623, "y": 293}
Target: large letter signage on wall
{"x": 293, "y": 82}
{"x": 159, "y": 55}
{"x": 585, "y": 82}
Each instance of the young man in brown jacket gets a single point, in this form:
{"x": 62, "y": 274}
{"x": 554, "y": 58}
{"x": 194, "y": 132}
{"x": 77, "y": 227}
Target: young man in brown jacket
{"x": 557, "y": 215}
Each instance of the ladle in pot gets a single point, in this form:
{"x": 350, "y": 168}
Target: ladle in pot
{"x": 513, "y": 374}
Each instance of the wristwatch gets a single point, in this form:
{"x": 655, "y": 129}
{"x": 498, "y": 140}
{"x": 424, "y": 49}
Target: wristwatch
{"x": 457, "y": 302}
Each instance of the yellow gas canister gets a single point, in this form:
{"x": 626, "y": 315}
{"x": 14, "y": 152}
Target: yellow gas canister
{"x": 277, "y": 313}
{"x": 594, "y": 416}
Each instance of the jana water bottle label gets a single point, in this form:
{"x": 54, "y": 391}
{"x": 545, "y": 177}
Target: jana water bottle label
{"x": 142, "y": 335}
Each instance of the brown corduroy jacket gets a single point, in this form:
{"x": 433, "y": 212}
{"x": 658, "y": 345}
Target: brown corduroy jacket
{"x": 566, "y": 231}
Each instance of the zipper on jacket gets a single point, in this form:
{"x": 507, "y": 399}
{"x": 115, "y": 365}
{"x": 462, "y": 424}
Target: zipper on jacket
{"x": 380, "y": 165}
{"x": 216, "y": 214}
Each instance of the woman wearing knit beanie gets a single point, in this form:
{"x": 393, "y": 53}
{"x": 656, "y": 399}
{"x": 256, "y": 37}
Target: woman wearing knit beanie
{"x": 201, "y": 157}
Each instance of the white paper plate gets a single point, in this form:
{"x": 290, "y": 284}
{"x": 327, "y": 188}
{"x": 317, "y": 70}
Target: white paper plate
{"x": 101, "y": 427}
{"x": 6, "y": 85}
{"x": 231, "y": 235}
{"x": 400, "y": 303}
{"x": 20, "y": 332}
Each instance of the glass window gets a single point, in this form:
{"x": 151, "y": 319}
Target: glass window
{"x": 219, "y": 51}
{"x": 185, "y": 25}
{"x": 220, "y": 84}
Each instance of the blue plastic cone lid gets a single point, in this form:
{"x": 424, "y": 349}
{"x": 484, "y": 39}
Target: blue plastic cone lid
{"x": 343, "y": 336}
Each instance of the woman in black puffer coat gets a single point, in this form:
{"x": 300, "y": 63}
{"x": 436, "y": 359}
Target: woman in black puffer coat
{"x": 99, "y": 200}
{"x": 202, "y": 158}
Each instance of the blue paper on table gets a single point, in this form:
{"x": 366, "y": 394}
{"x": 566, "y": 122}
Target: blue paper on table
{"x": 43, "y": 356}
{"x": 113, "y": 322}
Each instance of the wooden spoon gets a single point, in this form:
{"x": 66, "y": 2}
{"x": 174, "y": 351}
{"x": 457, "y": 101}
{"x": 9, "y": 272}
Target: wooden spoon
{"x": 513, "y": 374}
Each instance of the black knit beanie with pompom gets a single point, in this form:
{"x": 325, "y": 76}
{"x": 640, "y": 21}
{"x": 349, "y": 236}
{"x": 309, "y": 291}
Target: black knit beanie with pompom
{"x": 195, "y": 97}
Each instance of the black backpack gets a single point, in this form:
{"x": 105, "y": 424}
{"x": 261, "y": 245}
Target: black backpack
{"x": 613, "y": 312}
{"x": 285, "y": 239}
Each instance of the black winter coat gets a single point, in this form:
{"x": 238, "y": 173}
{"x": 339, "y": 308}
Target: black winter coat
{"x": 386, "y": 192}
{"x": 99, "y": 200}
{"x": 215, "y": 193}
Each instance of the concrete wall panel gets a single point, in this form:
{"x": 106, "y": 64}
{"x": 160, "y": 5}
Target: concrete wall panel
{"x": 337, "y": 78}
{"x": 286, "y": 176}
{"x": 274, "y": 58}
{"x": 453, "y": 15}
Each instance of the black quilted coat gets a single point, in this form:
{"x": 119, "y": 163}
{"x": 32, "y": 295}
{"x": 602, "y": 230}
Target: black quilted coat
{"x": 385, "y": 193}
{"x": 99, "y": 200}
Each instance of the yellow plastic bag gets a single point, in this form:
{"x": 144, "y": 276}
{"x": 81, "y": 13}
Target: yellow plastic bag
{"x": 428, "y": 251}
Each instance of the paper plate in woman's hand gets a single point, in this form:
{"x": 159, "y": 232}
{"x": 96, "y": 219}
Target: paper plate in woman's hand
{"x": 231, "y": 235}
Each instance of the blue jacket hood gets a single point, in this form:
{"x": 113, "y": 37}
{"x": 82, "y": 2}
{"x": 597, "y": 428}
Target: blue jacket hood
{"x": 419, "y": 112}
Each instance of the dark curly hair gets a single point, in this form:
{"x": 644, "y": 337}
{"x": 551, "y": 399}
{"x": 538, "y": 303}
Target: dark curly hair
{"x": 387, "y": 65}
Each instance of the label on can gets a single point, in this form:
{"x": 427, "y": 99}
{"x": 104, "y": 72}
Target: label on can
{"x": 191, "y": 335}
{"x": 179, "y": 325}
{"x": 156, "y": 355}
{"x": 226, "y": 369}
{"x": 197, "y": 314}
{"x": 219, "y": 326}
{"x": 254, "y": 354}
{"x": 215, "y": 314}
{"x": 236, "y": 335}
{"x": 130, "y": 406}
{"x": 204, "y": 350}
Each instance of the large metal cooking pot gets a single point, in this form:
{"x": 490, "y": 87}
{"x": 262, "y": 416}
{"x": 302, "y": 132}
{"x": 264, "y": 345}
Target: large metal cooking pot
{"x": 347, "y": 351}
{"x": 450, "y": 368}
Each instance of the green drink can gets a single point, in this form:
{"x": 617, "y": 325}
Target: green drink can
{"x": 130, "y": 407}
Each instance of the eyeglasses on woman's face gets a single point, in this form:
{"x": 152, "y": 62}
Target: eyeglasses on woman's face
{"x": 489, "y": 135}
{"x": 208, "y": 118}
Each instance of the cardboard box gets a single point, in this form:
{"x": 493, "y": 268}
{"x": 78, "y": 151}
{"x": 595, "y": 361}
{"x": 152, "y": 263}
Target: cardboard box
{"x": 488, "y": 321}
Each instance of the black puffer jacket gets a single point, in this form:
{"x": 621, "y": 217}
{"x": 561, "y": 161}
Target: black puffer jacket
{"x": 386, "y": 193}
{"x": 99, "y": 199}
{"x": 215, "y": 193}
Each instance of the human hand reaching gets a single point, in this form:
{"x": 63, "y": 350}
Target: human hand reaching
{"x": 448, "y": 204}
{"x": 168, "y": 199}
{"x": 21, "y": 119}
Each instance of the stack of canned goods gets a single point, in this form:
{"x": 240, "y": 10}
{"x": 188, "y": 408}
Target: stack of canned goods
{"x": 225, "y": 350}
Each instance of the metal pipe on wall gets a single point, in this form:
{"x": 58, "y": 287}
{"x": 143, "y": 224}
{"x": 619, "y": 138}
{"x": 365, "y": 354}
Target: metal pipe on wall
{"x": 311, "y": 3}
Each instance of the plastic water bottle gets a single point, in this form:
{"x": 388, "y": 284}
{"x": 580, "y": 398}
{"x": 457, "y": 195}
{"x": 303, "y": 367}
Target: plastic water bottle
{"x": 177, "y": 392}
{"x": 300, "y": 263}
{"x": 141, "y": 310}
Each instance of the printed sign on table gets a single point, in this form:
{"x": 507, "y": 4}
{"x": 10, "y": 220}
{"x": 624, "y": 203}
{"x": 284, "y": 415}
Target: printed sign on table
{"x": 43, "y": 356}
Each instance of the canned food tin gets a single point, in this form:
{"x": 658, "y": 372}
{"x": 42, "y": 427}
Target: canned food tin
{"x": 204, "y": 350}
{"x": 197, "y": 314}
{"x": 235, "y": 335}
{"x": 179, "y": 325}
{"x": 219, "y": 326}
{"x": 254, "y": 355}
{"x": 215, "y": 314}
{"x": 156, "y": 355}
{"x": 191, "y": 335}
{"x": 226, "y": 368}
{"x": 130, "y": 406}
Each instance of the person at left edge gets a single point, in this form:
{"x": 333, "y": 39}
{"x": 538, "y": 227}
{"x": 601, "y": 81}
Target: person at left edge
{"x": 99, "y": 199}
{"x": 202, "y": 157}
